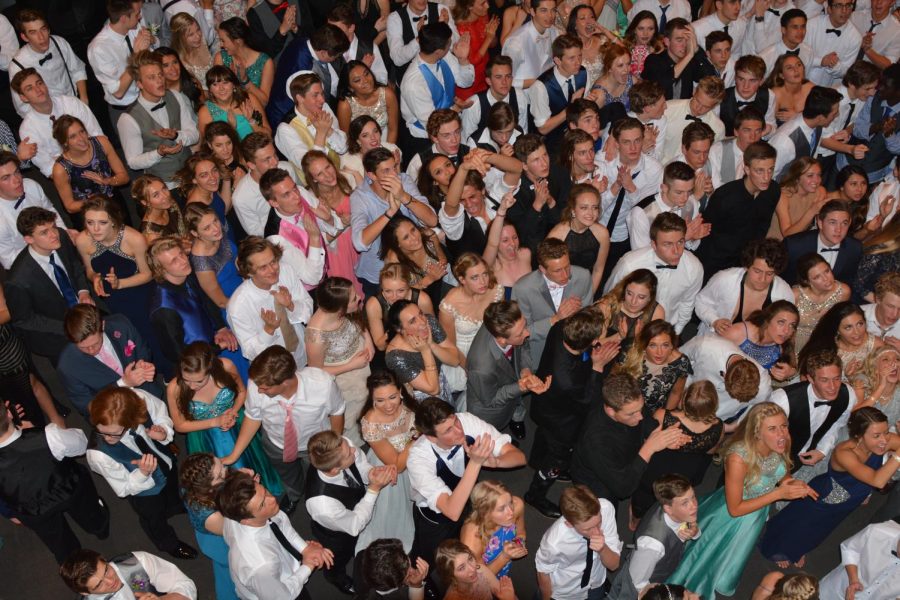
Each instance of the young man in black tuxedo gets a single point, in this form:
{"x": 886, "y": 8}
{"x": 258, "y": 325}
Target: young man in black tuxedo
{"x": 831, "y": 239}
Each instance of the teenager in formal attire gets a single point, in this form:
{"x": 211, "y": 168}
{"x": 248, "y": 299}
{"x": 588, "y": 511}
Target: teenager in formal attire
{"x": 388, "y": 573}
{"x": 87, "y": 573}
{"x": 462, "y": 575}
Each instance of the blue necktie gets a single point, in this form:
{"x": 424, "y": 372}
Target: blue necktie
{"x": 662, "y": 18}
{"x": 813, "y": 142}
{"x": 65, "y": 285}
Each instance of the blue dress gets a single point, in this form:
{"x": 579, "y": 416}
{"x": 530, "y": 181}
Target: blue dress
{"x": 495, "y": 546}
{"x": 214, "y": 548}
{"x": 702, "y": 568}
{"x": 766, "y": 356}
{"x": 805, "y": 523}
{"x": 222, "y": 262}
{"x": 221, "y": 443}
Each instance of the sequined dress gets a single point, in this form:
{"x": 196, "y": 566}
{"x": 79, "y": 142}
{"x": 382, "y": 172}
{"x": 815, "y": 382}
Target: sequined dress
{"x": 465, "y": 328}
{"x": 805, "y": 523}
{"x": 810, "y": 313}
{"x": 393, "y": 510}
{"x": 407, "y": 364}
{"x": 702, "y": 569}
{"x": 766, "y": 355}
{"x": 378, "y": 111}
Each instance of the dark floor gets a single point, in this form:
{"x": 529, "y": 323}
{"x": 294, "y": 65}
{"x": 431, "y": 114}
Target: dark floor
{"x": 27, "y": 569}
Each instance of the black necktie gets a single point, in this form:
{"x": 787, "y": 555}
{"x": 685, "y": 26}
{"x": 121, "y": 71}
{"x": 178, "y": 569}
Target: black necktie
{"x": 158, "y": 106}
{"x": 666, "y": 266}
{"x": 64, "y": 283}
{"x": 279, "y": 535}
{"x": 741, "y": 104}
{"x": 128, "y": 43}
{"x": 862, "y": 53}
{"x": 849, "y": 115}
{"x": 351, "y": 481}
{"x": 570, "y": 88}
{"x": 725, "y": 29}
{"x": 662, "y": 18}
{"x": 45, "y": 59}
{"x": 830, "y": 250}
{"x": 794, "y": 52}
{"x": 588, "y": 566}
{"x": 617, "y": 207}
{"x": 777, "y": 13}
{"x": 873, "y": 26}
{"x": 19, "y": 201}
{"x": 146, "y": 448}
{"x": 836, "y": 32}
{"x": 693, "y": 118}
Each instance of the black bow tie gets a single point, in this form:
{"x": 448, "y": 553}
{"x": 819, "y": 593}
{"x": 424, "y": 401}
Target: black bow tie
{"x": 158, "y": 106}
{"x": 19, "y": 201}
{"x": 836, "y": 32}
{"x": 777, "y": 13}
{"x": 821, "y": 403}
{"x": 666, "y": 266}
{"x": 417, "y": 19}
{"x": 794, "y": 52}
{"x": 830, "y": 250}
{"x": 45, "y": 59}
{"x": 693, "y": 118}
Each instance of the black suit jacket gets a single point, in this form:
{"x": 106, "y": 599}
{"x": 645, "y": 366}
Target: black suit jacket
{"x": 84, "y": 376}
{"x": 661, "y": 69}
{"x": 35, "y": 303}
{"x": 801, "y": 244}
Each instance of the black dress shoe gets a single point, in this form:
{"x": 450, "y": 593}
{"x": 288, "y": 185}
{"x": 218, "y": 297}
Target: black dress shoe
{"x": 517, "y": 428}
{"x": 287, "y": 506}
{"x": 184, "y": 552}
{"x": 344, "y": 585}
{"x": 543, "y": 506}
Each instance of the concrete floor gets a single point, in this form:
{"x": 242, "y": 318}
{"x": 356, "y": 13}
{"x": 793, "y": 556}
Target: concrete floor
{"x": 27, "y": 569}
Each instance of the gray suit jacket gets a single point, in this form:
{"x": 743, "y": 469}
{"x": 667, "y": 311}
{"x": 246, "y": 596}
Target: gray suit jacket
{"x": 492, "y": 390}
{"x": 533, "y": 296}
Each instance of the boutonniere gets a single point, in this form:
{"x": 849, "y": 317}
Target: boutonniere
{"x": 117, "y": 334}
{"x": 129, "y": 348}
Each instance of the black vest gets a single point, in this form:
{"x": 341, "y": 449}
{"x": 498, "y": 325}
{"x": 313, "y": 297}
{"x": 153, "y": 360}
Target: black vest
{"x": 485, "y": 106}
{"x": 457, "y": 160}
{"x": 878, "y": 155}
{"x": 798, "y": 420}
{"x": 32, "y": 481}
{"x": 652, "y": 525}
{"x": 556, "y": 97}
{"x": 473, "y": 238}
{"x": 411, "y": 32}
{"x": 347, "y": 496}
{"x": 729, "y": 109}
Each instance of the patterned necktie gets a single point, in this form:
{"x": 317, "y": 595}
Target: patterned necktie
{"x": 63, "y": 281}
{"x": 289, "y": 454}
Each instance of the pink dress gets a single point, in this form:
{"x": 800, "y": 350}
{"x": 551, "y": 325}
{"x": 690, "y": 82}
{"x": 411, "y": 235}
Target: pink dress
{"x": 342, "y": 256}
{"x": 476, "y": 31}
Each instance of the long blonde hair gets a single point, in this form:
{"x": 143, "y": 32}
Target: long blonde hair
{"x": 179, "y": 26}
{"x": 484, "y": 498}
{"x": 870, "y": 366}
{"x": 746, "y": 435}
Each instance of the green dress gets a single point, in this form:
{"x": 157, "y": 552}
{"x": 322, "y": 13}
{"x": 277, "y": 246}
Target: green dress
{"x": 221, "y": 443}
{"x": 703, "y": 568}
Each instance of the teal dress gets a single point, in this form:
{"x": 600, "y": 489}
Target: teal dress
{"x": 221, "y": 443}
{"x": 702, "y": 569}
{"x": 213, "y": 547}
{"x": 242, "y": 125}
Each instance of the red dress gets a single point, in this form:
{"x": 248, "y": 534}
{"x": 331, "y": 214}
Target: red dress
{"x": 477, "y": 35}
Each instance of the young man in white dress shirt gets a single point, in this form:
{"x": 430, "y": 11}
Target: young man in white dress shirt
{"x": 444, "y": 464}
{"x": 793, "y": 34}
{"x": 270, "y": 306}
{"x": 579, "y": 549}
{"x": 343, "y": 17}
{"x": 870, "y": 566}
{"x": 764, "y": 26}
{"x": 404, "y": 25}
{"x": 726, "y": 157}
{"x": 290, "y": 405}
{"x": 158, "y": 130}
{"x": 675, "y": 196}
{"x": 430, "y": 82}
{"x": 266, "y": 556}
{"x": 663, "y": 10}
{"x": 699, "y": 108}
{"x": 499, "y": 77}
{"x": 51, "y": 56}
{"x": 86, "y": 572}
{"x": 444, "y": 130}
{"x": 802, "y": 135}
{"x": 111, "y": 50}
{"x": 835, "y": 43}
{"x": 880, "y": 32}
{"x": 8, "y": 43}
{"x": 247, "y": 199}
{"x": 727, "y": 18}
{"x": 648, "y": 105}
{"x": 696, "y": 141}
{"x": 679, "y": 273}
{"x": 341, "y": 490}
{"x": 749, "y": 74}
{"x": 45, "y": 108}
{"x": 883, "y": 317}
{"x": 529, "y": 45}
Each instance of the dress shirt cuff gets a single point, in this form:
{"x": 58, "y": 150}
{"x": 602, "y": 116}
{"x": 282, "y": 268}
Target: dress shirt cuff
{"x": 121, "y": 382}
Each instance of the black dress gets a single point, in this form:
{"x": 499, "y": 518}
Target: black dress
{"x": 583, "y": 248}
{"x": 691, "y": 460}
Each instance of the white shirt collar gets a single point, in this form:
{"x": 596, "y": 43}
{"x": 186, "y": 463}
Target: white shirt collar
{"x": 42, "y": 260}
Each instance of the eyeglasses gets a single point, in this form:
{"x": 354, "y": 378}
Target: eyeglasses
{"x": 111, "y": 435}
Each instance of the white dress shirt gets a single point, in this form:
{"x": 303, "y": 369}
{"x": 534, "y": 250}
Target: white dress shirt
{"x": 248, "y": 203}
{"x": 331, "y": 514}
{"x": 403, "y": 53}
{"x": 719, "y": 297}
{"x": 61, "y": 70}
{"x": 38, "y": 128}
{"x": 164, "y": 576}
{"x": 817, "y": 416}
{"x": 61, "y": 442}
{"x": 822, "y": 43}
{"x": 844, "y": 119}
{"x": 416, "y": 104}
{"x": 539, "y": 100}
{"x": 289, "y": 142}
{"x": 243, "y": 314}
{"x": 261, "y": 568}
{"x": 317, "y": 399}
{"x": 378, "y": 68}
{"x": 108, "y": 55}
{"x": 736, "y": 29}
{"x": 875, "y": 328}
{"x": 770, "y": 54}
{"x": 677, "y": 9}
{"x": 472, "y": 115}
{"x": 827, "y": 251}
{"x": 873, "y": 551}
{"x": 426, "y": 486}
{"x": 647, "y": 182}
{"x": 9, "y": 43}
{"x": 648, "y": 552}
{"x": 309, "y": 266}
{"x": 562, "y": 552}
{"x": 132, "y": 138}
{"x": 676, "y": 114}
{"x": 529, "y": 51}
{"x": 709, "y": 356}
{"x": 639, "y": 222}
{"x": 784, "y": 146}
{"x": 886, "y": 40}
{"x": 715, "y": 161}
{"x": 130, "y": 483}
{"x": 11, "y": 241}
{"x": 661, "y": 125}
{"x": 767, "y": 32}
{"x": 44, "y": 263}
{"x": 676, "y": 288}
{"x": 888, "y": 187}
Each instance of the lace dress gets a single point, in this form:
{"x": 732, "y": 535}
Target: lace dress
{"x": 378, "y": 111}
{"x": 810, "y": 313}
{"x": 213, "y": 547}
{"x": 639, "y": 54}
{"x": 465, "y": 328}
{"x": 594, "y": 68}
{"x": 175, "y": 227}
{"x": 873, "y": 266}
{"x": 341, "y": 345}
{"x": 392, "y": 517}
{"x": 702, "y": 569}
{"x": 407, "y": 365}
{"x": 657, "y": 381}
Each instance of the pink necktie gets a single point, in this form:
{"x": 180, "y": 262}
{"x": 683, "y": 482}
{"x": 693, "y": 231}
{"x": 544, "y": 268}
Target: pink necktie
{"x": 290, "y": 434}
{"x": 109, "y": 360}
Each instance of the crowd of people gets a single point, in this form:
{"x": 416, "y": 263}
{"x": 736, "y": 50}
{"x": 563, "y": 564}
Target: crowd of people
{"x": 343, "y": 256}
